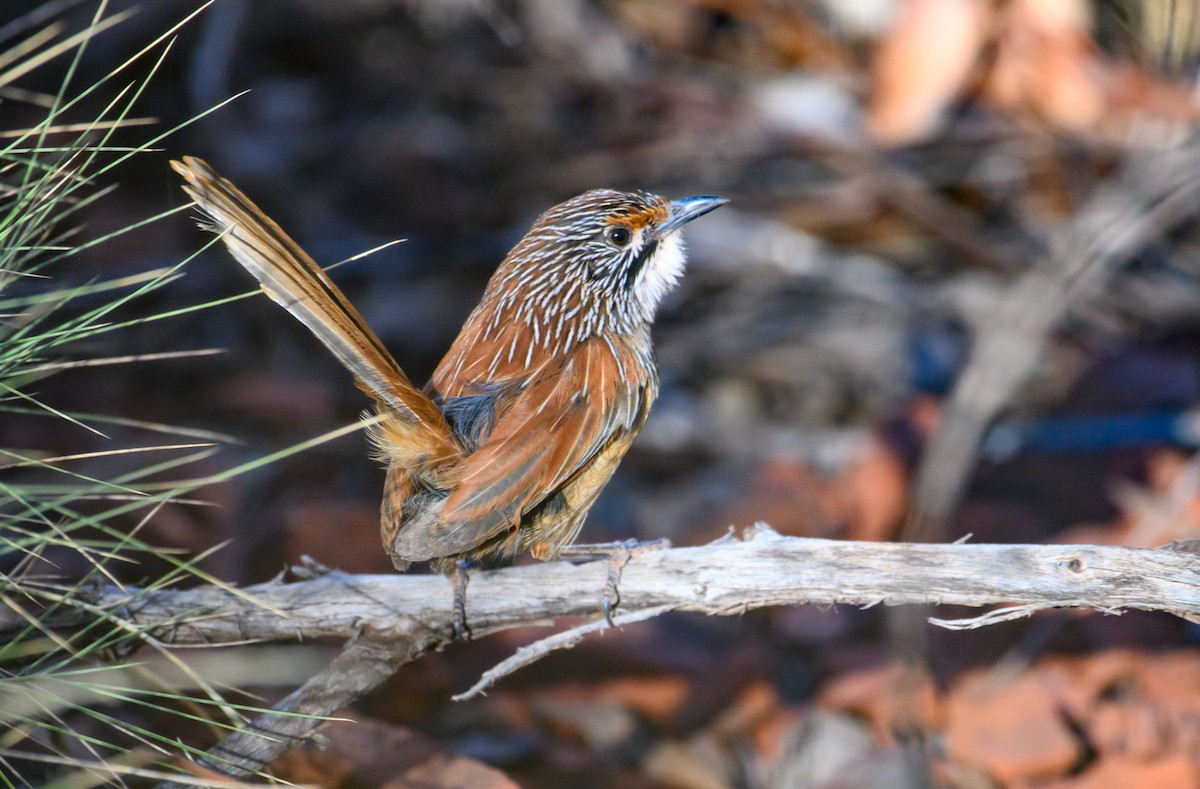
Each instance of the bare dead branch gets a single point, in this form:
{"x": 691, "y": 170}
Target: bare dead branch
{"x": 534, "y": 652}
{"x": 392, "y": 619}
{"x": 728, "y": 576}
{"x": 363, "y": 665}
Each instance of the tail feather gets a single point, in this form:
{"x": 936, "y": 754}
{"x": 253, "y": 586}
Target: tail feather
{"x": 294, "y": 280}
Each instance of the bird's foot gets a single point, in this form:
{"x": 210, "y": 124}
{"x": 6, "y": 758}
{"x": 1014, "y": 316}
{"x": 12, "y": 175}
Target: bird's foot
{"x": 618, "y": 555}
{"x": 459, "y": 580}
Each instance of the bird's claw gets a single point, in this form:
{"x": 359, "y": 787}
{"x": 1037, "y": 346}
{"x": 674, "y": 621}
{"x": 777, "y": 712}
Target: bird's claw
{"x": 618, "y": 555}
{"x": 459, "y": 580}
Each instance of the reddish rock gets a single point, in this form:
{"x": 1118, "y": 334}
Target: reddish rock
{"x": 874, "y": 493}
{"x": 885, "y": 696}
{"x": 370, "y": 753}
{"x": 1133, "y": 729}
{"x": 1172, "y": 772}
{"x": 790, "y": 496}
{"x": 709, "y": 759}
{"x": 1013, "y": 730}
{"x": 601, "y": 725}
{"x": 752, "y": 706}
{"x": 1110, "y": 667}
{"x": 1071, "y": 684}
{"x": 1115, "y": 533}
{"x": 451, "y": 772}
{"x": 1173, "y": 679}
{"x": 1171, "y": 682}
{"x": 657, "y": 699}
{"x": 865, "y": 500}
{"x": 768, "y": 735}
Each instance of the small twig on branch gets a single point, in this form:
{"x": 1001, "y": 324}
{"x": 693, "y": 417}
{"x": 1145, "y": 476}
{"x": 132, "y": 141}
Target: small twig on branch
{"x": 995, "y": 616}
{"x": 539, "y": 649}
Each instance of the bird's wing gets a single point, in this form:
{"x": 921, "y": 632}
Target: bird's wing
{"x": 549, "y": 433}
{"x": 294, "y": 280}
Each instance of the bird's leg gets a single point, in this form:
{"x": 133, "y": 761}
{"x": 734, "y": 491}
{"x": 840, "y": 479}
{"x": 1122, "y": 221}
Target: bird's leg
{"x": 618, "y": 555}
{"x": 459, "y": 580}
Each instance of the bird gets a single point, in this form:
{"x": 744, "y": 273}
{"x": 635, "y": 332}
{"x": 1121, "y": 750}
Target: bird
{"x": 539, "y": 397}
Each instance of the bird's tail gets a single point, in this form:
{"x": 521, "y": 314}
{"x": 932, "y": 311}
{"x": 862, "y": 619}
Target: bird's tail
{"x": 414, "y": 430}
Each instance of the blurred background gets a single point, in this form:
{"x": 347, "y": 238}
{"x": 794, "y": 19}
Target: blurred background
{"x": 956, "y": 292}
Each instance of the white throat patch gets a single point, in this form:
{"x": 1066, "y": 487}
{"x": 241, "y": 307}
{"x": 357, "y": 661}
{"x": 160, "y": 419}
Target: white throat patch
{"x": 659, "y": 275}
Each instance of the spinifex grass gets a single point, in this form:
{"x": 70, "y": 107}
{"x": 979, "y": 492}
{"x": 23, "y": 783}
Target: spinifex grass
{"x": 62, "y": 720}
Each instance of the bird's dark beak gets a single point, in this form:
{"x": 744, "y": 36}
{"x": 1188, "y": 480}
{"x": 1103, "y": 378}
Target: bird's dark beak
{"x": 685, "y": 209}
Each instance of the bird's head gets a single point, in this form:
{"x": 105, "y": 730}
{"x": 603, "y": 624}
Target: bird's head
{"x": 602, "y": 260}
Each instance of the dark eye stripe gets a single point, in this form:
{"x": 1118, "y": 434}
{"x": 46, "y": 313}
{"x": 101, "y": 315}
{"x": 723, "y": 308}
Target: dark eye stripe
{"x": 638, "y": 262}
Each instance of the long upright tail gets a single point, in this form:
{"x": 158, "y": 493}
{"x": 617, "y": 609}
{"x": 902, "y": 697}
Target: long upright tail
{"x": 293, "y": 279}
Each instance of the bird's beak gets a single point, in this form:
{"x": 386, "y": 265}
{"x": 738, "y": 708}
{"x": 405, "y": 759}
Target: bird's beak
{"x": 685, "y": 209}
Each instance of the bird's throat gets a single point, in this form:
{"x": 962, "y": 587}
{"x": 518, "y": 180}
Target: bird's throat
{"x": 639, "y": 262}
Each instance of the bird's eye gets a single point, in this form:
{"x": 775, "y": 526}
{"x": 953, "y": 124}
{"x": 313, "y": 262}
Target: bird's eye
{"x": 620, "y": 236}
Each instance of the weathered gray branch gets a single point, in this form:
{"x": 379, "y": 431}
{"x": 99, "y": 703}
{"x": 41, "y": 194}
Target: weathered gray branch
{"x": 363, "y": 665}
{"x": 729, "y": 576}
{"x": 392, "y": 619}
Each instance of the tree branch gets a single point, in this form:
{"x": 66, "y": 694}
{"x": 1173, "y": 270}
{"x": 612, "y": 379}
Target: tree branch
{"x": 729, "y": 576}
{"x": 393, "y": 619}
{"x": 363, "y": 665}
